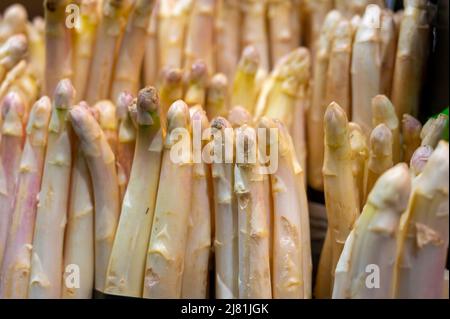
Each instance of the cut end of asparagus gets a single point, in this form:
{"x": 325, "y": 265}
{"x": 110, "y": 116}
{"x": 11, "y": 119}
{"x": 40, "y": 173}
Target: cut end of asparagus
{"x": 420, "y": 159}
{"x": 13, "y": 50}
{"x": 381, "y": 140}
{"x": 123, "y": 102}
{"x": 239, "y": 116}
{"x": 336, "y": 125}
{"x": 147, "y": 105}
{"x": 178, "y": 116}
{"x": 384, "y": 112}
{"x": 411, "y": 127}
{"x": 64, "y": 95}
{"x": 250, "y": 60}
{"x": 396, "y": 180}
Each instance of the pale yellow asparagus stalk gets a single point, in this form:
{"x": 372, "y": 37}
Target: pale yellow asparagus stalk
{"x": 198, "y": 246}
{"x": 108, "y": 122}
{"x": 432, "y": 131}
{"x": 197, "y": 79}
{"x": 366, "y": 67}
{"x": 110, "y": 28}
{"x": 411, "y": 129}
{"x": 342, "y": 280}
{"x": 290, "y": 75}
{"x": 151, "y": 47}
{"x": 350, "y": 8}
{"x": 15, "y": 270}
{"x": 51, "y": 216}
{"x": 245, "y": 88}
{"x": 227, "y": 36}
{"x": 254, "y": 29}
{"x": 376, "y": 231}
{"x": 84, "y": 41}
{"x": 315, "y": 12}
{"x": 338, "y": 81}
{"x": 340, "y": 196}
{"x": 217, "y": 96}
{"x": 170, "y": 90}
{"x": 167, "y": 246}
{"x": 127, "y": 69}
{"x": 200, "y": 35}
{"x": 298, "y": 128}
{"x": 102, "y": 168}
{"x": 126, "y": 141}
{"x": 13, "y": 22}
{"x": 253, "y": 238}
{"x": 28, "y": 88}
{"x": 380, "y": 156}
{"x": 11, "y": 52}
{"x": 388, "y": 48}
{"x": 35, "y": 34}
{"x": 58, "y": 44}
{"x": 419, "y": 159}
{"x": 281, "y": 28}
{"x": 360, "y": 154}
{"x": 318, "y": 105}
{"x": 173, "y": 20}
{"x": 79, "y": 237}
{"x": 384, "y": 112}
{"x": 12, "y": 132}
{"x": 126, "y": 265}
{"x": 411, "y": 57}
{"x": 423, "y": 242}
{"x": 226, "y": 215}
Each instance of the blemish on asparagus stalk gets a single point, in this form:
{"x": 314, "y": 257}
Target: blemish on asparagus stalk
{"x": 166, "y": 250}
{"x": 196, "y": 82}
{"x": 51, "y": 216}
{"x": 411, "y": 129}
{"x": 420, "y": 158}
{"x": 16, "y": 266}
{"x": 217, "y": 96}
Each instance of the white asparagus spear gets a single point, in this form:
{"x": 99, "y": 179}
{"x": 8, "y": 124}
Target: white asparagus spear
{"x": 151, "y": 47}
{"x": 15, "y": 73}
{"x": 11, "y": 52}
{"x": 411, "y": 129}
{"x": 102, "y": 168}
{"x": 17, "y": 258}
{"x": 360, "y": 153}
{"x": 281, "y": 30}
{"x": 388, "y": 47}
{"x": 167, "y": 246}
{"x": 126, "y": 264}
{"x": 51, "y": 216}
{"x": 13, "y": 21}
{"x": 432, "y": 131}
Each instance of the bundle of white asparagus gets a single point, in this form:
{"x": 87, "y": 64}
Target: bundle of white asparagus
{"x": 135, "y": 192}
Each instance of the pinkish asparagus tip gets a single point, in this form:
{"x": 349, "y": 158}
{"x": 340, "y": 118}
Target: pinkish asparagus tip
{"x": 64, "y": 94}
{"x": 12, "y": 102}
{"x": 420, "y": 158}
{"x": 123, "y": 102}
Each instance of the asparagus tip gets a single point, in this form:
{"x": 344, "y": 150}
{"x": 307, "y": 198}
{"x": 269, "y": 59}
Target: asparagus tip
{"x": 420, "y": 159}
{"x": 410, "y": 125}
{"x": 198, "y": 72}
{"x": 336, "y": 124}
{"x": 172, "y": 76}
{"x": 381, "y": 139}
{"x": 13, "y": 102}
{"x": 178, "y": 115}
{"x": 147, "y": 104}
{"x": 250, "y": 60}
{"x": 239, "y": 116}
{"x": 64, "y": 94}
{"x": 219, "y": 123}
{"x": 123, "y": 102}
{"x": 15, "y": 48}
{"x": 39, "y": 114}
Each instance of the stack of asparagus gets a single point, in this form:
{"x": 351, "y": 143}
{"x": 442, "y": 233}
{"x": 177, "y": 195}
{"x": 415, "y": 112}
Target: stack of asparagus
{"x": 108, "y": 187}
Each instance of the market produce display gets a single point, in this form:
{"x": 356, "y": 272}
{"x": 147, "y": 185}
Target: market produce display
{"x": 167, "y": 149}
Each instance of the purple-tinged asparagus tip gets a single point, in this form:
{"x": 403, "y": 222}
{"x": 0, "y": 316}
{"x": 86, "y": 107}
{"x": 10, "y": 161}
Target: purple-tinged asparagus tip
{"x": 381, "y": 140}
{"x": 420, "y": 159}
{"x": 147, "y": 105}
{"x": 123, "y": 102}
{"x": 64, "y": 94}
{"x": 13, "y": 102}
{"x": 239, "y": 116}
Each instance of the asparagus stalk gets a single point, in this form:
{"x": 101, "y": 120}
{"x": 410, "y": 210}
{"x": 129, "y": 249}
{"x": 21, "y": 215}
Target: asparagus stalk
{"x": 377, "y": 230}
{"x": 84, "y": 39}
{"x": 10, "y": 152}
{"x": 298, "y": 129}
{"x": 196, "y": 84}
{"x": 432, "y": 131}
{"x": 350, "y": 8}
{"x": 318, "y": 105}
{"x": 281, "y": 28}
{"x": 340, "y": 196}
{"x": 109, "y": 32}
{"x": 315, "y": 12}
{"x": 108, "y": 122}
{"x": 35, "y": 34}
{"x": 380, "y": 156}
{"x": 17, "y": 258}
{"x": 27, "y": 87}
{"x": 167, "y": 246}
{"x": 173, "y": 19}
{"x": 200, "y": 34}
{"x": 411, "y": 57}
{"x": 419, "y": 159}
{"x": 254, "y": 29}
{"x": 151, "y": 47}
{"x": 360, "y": 154}
{"x": 254, "y": 262}
{"x": 13, "y": 22}
{"x": 126, "y": 264}
{"x": 411, "y": 129}
{"x": 423, "y": 242}
{"x": 102, "y": 168}
{"x": 217, "y": 96}
{"x": 324, "y": 278}
{"x": 227, "y": 36}
{"x": 384, "y": 112}
{"x": 342, "y": 280}
{"x": 47, "y": 254}
{"x": 131, "y": 53}
{"x": 170, "y": 90}
{"x": 15, "y": 73}
{"x": 126, "y": 141}
{"x": 79, "y": 237}
{"x": 226, "y": 215}
{"x": 11, "y": 52}
{"x": 195, "y": 273}
{"x": 58, "y": 44}
{"x": 366, "y": 67}
{"x": 388, "y": 48}
{"x": 338, "y": 81}
{"x": 245, "y": 88}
